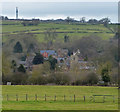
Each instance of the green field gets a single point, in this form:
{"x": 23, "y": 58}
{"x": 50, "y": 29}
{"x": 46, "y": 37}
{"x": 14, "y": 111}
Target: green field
{"x": 59, "y": 104}
{"x": 74, "y": 31}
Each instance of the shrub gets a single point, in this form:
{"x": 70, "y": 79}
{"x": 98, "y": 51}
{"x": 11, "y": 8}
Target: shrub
{"x": 19, "y": 79}
{"x": 92, "y": 78}
{"x": 59, "y": 78}
{"x": 40, "y": 80}
{"x": 88, "y": 79}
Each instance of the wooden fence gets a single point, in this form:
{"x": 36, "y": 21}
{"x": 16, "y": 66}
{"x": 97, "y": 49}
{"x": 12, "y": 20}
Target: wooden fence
{"x": 73, "y": 98}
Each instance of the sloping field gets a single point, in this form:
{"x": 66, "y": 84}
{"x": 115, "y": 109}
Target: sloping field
{"x": 74, "y": 31}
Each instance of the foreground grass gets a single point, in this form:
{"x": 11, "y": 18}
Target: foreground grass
{"x": 59, "y": 91}
{"x": 58, "y": 105}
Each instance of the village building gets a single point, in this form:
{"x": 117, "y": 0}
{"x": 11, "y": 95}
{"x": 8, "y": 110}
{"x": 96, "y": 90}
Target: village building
{"x": 79, "y": 60}
{"x": 47, "y": 53}
{"x": 27, "y": 63}
{"x": 62, "y": 53}
{"x": 63, "y": 60}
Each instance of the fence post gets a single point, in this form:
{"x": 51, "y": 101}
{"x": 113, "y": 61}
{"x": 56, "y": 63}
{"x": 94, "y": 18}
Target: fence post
{"x": 84, "y": 98}
{"x": 7, "y": 97}
{"x": 113, "y": 99}
{"x": 64, "y": 97}
{"x": 45, "y": 97}
{"x": 35, "y": 97}
{"x": 94, "y": 99}
{"x": 16, "y": 97}
{"x": 74, "y": 97}
{"x": 26, "y": 97}
{"x": 55, "y": 98}
{"x": 70, "y": 98}
{"x": 103, "y": 99}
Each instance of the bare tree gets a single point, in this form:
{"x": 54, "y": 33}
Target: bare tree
{"x": 50, "y": 36}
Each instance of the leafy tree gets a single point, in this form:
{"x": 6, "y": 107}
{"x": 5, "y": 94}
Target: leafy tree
{"x": 6, "y": 18}
{"x": 21, "y": 68}
{"x": 82, "y": 20}
{"x": 3, "y": 18}
{"x": 68, "y": 20}
{"x": 105, "y": 21}
{"x": 105, "y": 72}
{"x": 105, "y": 75}
{"x": 18, "y": 48}
{"x": 93, "y": 21}
{"x": 38, "y": 59}
{"x": 53, "y": 62}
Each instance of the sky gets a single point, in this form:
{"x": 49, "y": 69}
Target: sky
{"x": 57, "y": 10}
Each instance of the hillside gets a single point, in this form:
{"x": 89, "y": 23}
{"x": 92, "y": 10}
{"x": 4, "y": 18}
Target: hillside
{"x": 74, "y": 31}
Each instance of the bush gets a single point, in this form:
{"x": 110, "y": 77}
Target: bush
{"x": 59, "y": 78}
{"x": 92, "y": 78}
{"x": 19, "y": 79}
{"x": 40, "y": 80}
{"x": 88, "y": 79}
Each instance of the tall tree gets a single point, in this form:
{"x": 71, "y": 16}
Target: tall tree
{"x": 21, "y": 68}
{"x": 66, "y": 38}
{"x": 50, "y": 35}
{"x": 14, "y": 65}
{"x": 53, "y": 62}
{"x": 82, "y": 20}
{"x": 38, "y": 59}
{"x": 68, "y": 19}
{"x": 31, "y": 48}
{"x": 105, "y": 75}
{"x": 18, "y": 48}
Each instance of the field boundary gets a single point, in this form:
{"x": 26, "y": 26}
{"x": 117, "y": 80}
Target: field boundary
{"x": 72, "y": 98}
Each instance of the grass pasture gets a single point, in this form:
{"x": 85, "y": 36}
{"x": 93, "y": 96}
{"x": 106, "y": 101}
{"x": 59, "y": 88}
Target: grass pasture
{"x": 74, "y": 31}
{"x": 59, "y": 92}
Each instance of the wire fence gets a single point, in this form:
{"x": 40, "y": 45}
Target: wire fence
{"x": 72, "y": 98}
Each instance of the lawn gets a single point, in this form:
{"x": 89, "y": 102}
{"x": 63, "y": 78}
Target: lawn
{"x": 59, "y": 92}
